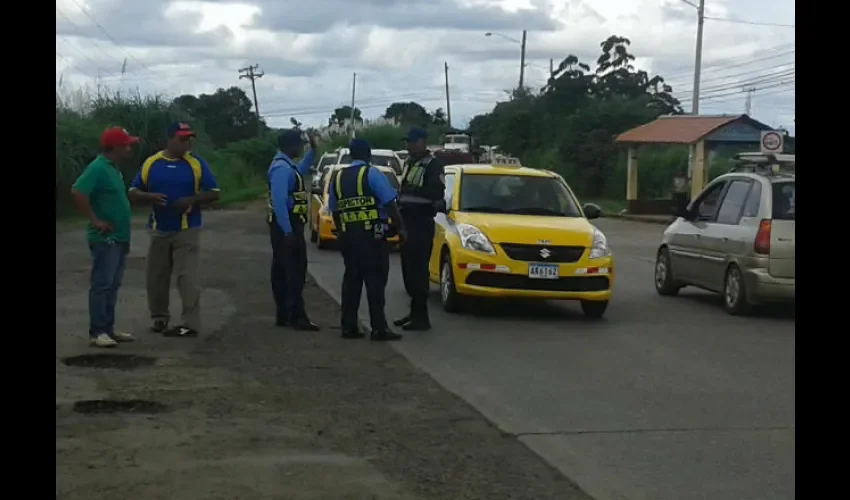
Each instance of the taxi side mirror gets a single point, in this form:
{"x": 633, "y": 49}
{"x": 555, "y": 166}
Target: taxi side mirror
{"x": 591, "y": 211}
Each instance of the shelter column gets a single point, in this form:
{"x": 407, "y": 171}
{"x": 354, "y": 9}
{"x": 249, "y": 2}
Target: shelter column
{"x": 699, "y": 175}
{"x": 632, "y": 174}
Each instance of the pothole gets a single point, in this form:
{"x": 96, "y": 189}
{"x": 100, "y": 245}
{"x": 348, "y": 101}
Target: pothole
{"x": 139, "y": 406}
{"x": 113, "y": 361}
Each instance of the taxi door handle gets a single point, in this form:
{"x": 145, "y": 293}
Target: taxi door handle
{"x": 725, "y": 239}
{"x": 698, "y": 236}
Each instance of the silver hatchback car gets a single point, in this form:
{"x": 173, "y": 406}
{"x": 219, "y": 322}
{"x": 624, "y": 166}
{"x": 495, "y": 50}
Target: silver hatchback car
{"x": 737, "y": 237}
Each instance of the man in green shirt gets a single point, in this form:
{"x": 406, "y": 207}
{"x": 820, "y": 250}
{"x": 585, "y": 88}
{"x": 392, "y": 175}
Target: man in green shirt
{"x": 101, "y": 196}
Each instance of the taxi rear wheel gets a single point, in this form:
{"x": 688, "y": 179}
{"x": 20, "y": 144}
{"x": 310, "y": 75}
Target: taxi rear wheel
{"x": 594, "y": 309}
{"x": 451, "y": 300}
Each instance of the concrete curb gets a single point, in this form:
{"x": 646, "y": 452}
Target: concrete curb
{"x": 651, "y": 219}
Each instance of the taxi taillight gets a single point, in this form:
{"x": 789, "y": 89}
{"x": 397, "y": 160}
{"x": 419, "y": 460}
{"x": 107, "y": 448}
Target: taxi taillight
{"x": 762, "y": 243}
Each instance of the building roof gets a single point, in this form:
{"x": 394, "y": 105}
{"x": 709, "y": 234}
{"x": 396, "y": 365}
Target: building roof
{"x": 682, "y": 129}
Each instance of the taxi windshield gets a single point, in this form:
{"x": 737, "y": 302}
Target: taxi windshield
{"x": 516, "y": 194}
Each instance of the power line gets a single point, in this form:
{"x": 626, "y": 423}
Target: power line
{"x": 749, "y": 23}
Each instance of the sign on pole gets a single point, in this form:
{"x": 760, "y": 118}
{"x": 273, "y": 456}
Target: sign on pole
{"x": 772, "y": 142}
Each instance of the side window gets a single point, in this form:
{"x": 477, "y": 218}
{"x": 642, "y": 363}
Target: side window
{"x": 733, "y": 202}
{"x": 707, "y": 203}
{"x": 450, "y": 188}
{"x": 751, "y": 207}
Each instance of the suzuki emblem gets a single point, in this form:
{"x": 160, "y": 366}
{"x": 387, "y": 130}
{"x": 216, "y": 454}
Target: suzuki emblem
{"x": 543, "y": 242}
{"x": 545, "y": 253}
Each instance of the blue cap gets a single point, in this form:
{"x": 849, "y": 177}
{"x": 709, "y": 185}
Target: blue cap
{"x": 290, "y": 138}
{"x": 414, "y": 134}
{"x": 359, "y": 149}
{"x": 179, "y": 129}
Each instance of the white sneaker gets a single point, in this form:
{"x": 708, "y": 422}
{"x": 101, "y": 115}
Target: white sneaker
{"x": 103, "y": 340}
{"x": 123, "y": 337}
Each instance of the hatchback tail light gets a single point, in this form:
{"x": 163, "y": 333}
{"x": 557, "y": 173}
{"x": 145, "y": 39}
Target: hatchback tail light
{"x": 762, "y": 243}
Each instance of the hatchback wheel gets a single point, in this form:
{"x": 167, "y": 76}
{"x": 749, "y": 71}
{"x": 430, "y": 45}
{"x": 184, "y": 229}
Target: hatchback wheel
{"x": 594, "y": 309}
{"x": 665, "y": 284}
{"x": 735, "y": 291}
{"x": 449, "y": 297}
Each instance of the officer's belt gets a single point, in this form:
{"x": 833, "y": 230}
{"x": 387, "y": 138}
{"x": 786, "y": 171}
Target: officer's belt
{"x": 413, "y": 199}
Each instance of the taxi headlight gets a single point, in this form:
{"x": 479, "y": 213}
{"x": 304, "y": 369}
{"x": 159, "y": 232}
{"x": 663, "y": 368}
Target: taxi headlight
{"x": 471, "y": 238}
{"x": 599, "y": 248}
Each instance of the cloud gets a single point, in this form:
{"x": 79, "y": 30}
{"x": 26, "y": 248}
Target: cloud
{"x": 309, "y": 50}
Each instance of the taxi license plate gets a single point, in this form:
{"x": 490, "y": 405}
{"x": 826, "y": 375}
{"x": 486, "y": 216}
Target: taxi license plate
{"x": 543, "y": 271}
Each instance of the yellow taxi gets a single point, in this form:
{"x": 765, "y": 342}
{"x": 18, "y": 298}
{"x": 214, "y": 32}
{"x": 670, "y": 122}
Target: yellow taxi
{"x": 517, "y": 232}
{"x": 321, "y": 221}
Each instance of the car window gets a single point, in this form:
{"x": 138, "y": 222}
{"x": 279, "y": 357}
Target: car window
{"x": 784, "y": 200}
{"x": 387, "y": 161}
{"x": 707, "y": 204}
{"x": 733, "y": 202}
{"x": 327, "y": 160}
{"x": 344, "y": 160}
{"x": 516, "y": 194}
{"x": 450, "y": 188}
{"x": 392, "y": 178}
{"x": 751, "y": 207}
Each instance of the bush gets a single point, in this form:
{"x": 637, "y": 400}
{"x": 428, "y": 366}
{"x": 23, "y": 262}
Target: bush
{"x": 239, "y": 168}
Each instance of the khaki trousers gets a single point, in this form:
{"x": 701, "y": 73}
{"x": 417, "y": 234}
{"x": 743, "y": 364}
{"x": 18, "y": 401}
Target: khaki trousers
{"x": 175, "y": 254}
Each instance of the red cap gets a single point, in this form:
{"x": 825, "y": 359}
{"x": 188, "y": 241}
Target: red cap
{"x": 116, "y": 137}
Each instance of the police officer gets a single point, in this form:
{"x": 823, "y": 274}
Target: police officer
{"x": 286, "y": 217}
{"x": 422, "y": 195}
{"x": 361, "y": 199}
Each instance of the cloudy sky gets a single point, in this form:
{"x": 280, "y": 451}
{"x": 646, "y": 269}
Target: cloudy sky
{"x": 309, "y": 50}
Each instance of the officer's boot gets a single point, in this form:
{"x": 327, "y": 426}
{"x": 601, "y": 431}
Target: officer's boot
{"x": 407, "y": 318}
{"x": 384, "y": 335}
{"x": 419, "y": 321}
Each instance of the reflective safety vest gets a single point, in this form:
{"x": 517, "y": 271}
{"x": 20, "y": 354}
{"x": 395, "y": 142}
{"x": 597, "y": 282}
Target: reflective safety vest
{"x": 299, "y": 197}
{"x": 414, "y": 173}
{"x": 356, "y": 205}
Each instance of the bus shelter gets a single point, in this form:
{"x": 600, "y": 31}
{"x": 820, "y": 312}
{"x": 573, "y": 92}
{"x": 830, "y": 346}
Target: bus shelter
{"x": 703, "y": 133}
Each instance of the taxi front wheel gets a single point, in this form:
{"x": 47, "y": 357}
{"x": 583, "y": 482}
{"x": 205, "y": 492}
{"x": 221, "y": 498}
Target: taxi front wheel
{"x": 451, "y": 300}
{"x": 594, "y": 309}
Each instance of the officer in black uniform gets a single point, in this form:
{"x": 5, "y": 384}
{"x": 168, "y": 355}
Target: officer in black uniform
{"x": 287, "y": 216}
{"x": 421, "y": 197}
{"x": 362, "y": 201}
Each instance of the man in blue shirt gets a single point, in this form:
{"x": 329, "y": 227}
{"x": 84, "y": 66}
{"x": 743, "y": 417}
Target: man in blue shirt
{"x": 362, "y": 202}
{"x": 287, "y": 215}
{"x": 175, "y": 182}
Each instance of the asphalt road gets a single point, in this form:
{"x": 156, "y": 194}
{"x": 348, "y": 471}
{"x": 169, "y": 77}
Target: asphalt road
{"x": 665, "y": 399}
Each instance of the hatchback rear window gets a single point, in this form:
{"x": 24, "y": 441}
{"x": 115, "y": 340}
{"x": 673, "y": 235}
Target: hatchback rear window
{"x": 784, "y": 200}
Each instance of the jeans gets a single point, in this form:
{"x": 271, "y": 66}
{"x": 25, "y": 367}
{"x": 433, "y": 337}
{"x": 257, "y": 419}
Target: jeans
{"x": 108, "y": 259}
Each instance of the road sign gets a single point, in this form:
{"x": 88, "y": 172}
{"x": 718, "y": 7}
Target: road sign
{"x": 771, "y": 142}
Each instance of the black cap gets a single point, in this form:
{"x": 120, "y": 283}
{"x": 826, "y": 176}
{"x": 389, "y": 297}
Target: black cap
{"x": 290, "y": 138}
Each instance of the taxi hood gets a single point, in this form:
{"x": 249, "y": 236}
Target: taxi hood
{"x": 530, "y": 229}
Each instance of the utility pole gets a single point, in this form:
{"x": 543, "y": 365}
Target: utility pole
{"x": 250, "y": 72}
{"x": 551, "y": 67}
{"x": 748, "y": 104}
{"x": 522, "y": 61}
{"x": 448, "y": 99}
{"x": 698, "y": 58}
{"x": 351, "y": 118}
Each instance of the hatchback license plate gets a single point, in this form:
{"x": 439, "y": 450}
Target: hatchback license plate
{"x": 543, "y": 271}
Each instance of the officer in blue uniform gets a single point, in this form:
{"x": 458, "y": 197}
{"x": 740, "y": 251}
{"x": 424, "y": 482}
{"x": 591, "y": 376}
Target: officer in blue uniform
{"x": 362, "y": 201}
{"x": 287, "y": 216}
{"x": 422, "y": 196}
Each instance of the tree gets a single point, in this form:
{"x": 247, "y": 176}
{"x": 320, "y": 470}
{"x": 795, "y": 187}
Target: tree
{"x": 341, "y": 114}
{"x": 439, "y": 118}
{"x": 226, "y": 115}
{"x": 569, "y": 125}
{"x": 408, "y": 114}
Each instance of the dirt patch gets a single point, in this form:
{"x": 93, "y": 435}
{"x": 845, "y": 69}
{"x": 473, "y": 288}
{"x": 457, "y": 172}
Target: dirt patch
{"x": 259, "y": 412}
{"x": 139, "y": 406}
{"x": 110, "y": 360}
